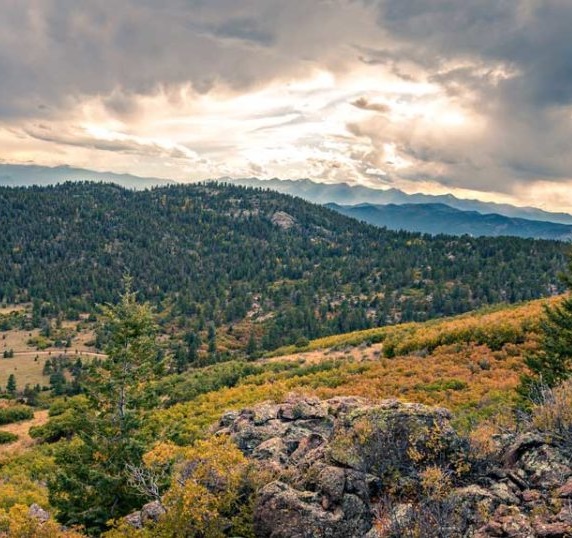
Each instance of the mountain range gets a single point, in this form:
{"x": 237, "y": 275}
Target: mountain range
{"x": 240, "y": 257}
{"x": 345, "y": 194}
{"x": 392, "y": 208}
{"x": 23, "y": 175}
{"x": 443, "y": 219}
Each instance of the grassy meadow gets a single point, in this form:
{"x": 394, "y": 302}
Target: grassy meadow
{"x": 24, "y": 352}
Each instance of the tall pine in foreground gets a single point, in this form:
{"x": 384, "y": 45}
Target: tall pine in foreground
{"x": 92, "y": 484}
{"x": 552, "y": 363}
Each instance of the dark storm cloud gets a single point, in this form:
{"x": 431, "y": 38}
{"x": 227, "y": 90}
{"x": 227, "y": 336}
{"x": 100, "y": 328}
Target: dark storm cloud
{"x": 511, "y": 61}
{"x": 53, "y": 49}
{"x": 245, "y": 29}
{"x": 530, "y": 35}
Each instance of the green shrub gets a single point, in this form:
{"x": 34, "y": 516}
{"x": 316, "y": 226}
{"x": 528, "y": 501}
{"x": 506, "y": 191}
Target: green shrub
{"x": 15, "y": 413}
{"x": 443, "y": 384}
{"x": 7, "y": 437}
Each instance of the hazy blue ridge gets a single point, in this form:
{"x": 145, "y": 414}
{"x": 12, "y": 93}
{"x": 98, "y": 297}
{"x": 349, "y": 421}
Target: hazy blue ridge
{"x": 23, "y": 175}
{"x": 441, "y": 219}
{"x": 344, "y": 194}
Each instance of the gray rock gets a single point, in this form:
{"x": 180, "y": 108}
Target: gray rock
{"x": 37, "y": 512}
{"x": 283, "y": 512}
{"x": 134, "y": 519}
{"x": 503, "y": 493}
{"x": 151, "y": 512}
{"x": 336, "y": 454}
{"x": 351, "y": 468}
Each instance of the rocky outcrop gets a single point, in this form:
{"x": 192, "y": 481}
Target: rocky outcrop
{"x": 283, "y": 220}
{"x": 150, "y": 513}
{"x": 38, "y": 513}
{"x": 348, "y": 468}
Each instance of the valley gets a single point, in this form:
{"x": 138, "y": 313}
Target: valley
{"x": 217, "y": 299}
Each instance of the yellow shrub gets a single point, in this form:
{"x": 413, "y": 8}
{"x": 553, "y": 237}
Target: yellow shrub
{"x": 554, "y": 415}
{"x": 435, "y": 482}
{"x": 17, "y": 523}
{"x": 205, "y": 493}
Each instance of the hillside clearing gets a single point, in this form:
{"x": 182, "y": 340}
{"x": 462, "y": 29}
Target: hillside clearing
{"x": 21, "y": 429}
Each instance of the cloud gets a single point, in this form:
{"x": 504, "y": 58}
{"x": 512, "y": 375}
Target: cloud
{"x": 472, "y": 96}
{"x": 126, "y": 145}
{"x": 84, "y": 47}
{"x": 364, "y": 104}
{"x": 508, "y": 61}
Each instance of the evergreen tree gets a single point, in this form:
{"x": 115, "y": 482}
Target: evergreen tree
{"x": 552, "y": 363}
{"x": 223, "y": 258}
{"x": 193, "y": 342}
{"x": 47, "y": 369}
{"x": 92, "y": 484}
{"x": 11, "y": 385}
{"x": 31, "y": 395}
{"x": 252, "y": 346}
{"x": 58, "y": 382}
{"x": 211, "y": 339}
{"x": 180, "y": 359}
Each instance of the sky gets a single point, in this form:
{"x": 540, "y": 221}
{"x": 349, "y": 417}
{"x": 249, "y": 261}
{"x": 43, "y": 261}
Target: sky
{"x": 472, "y": 97}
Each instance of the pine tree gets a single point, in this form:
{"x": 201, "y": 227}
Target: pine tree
{"x": 193, "y": 342}
{"x": 30, "y": 395}
{"x": 180, "y": 359}
{"x": 92, "y": 484}
{"x": 252, "y": 346}
{"x": 552, "y": 363}
{"x": 11, "y": 385}
{"x": 58, "y": 382}
{"x": 47, "y": 369}
{"x": 211, "y": 339}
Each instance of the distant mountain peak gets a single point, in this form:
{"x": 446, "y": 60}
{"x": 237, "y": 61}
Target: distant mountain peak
{"x": 22, "y": 175}
{"x": 438, "y": 218}
{"x": 346, "y": 194}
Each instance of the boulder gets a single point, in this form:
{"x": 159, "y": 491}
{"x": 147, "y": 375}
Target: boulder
{"x": 351, "y": 468}
{"x": 338, "y": 459}
{"x": 284, "y": 512}
{"x": 37, "y": 512}
{"x": 151, "y": 512}
{"x": 338, "y": 455}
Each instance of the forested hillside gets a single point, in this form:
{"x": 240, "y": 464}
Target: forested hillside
{"x": 224, "y": 255}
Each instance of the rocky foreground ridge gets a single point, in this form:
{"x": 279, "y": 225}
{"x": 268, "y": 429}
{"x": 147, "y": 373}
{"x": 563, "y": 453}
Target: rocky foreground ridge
{"x": 350, "y": 468}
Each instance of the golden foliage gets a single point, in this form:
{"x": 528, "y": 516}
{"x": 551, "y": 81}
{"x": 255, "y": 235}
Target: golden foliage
{"x": 436, "y": 483}
{"x": 470, "y": 364}
{"x": 18, "y": 523}
{"x": 205, "y": 491}
{"x": 554, "y": 414}
{"x": 22, "y": 478}
{"x": 491, "y": 325}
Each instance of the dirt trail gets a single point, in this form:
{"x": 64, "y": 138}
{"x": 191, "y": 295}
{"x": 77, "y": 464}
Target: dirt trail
{"x": 61, "y": 352}
{"x": 357, "y": 353}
